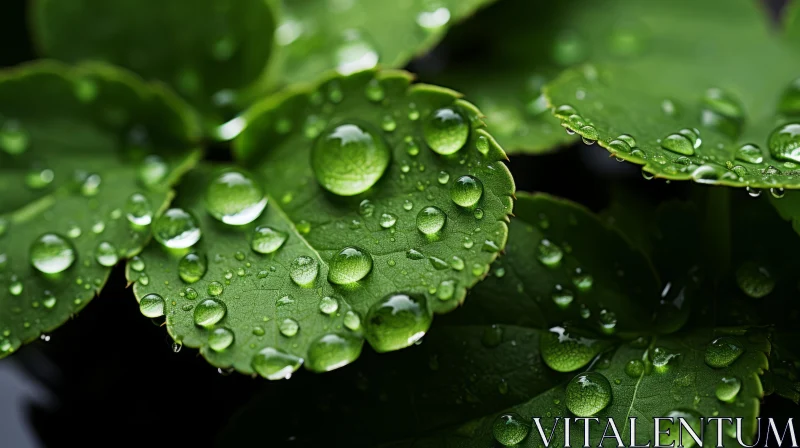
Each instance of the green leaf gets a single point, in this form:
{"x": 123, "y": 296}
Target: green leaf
{"x": 316, "y": 36}
{"x": 563, "y": 264}
{"x": 265, "y": 306}
{"x": 208, "y": 50}
{"x": 687, "y": 84}
{"x": 685, "y": 384}
{"x": 75, "y": 145}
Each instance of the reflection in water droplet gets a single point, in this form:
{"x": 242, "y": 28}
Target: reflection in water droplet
{"x": 220, "y": 339}
{"x": 430, "y": 220}
{"x": 209, "y": 312}
{"x": 784, "y": 142}
{"x": 588, "y": 393}
{"x": 176, "y": 229}
{"x": 192, "y": 267}
{"x": 350, "y": 265}
{"x": 446, "y": 130}
{"x": 52, "y": 254}
{"x": 397, "y": 321}
{"x": 235, "y": 197}
{"x": 563, "y": 352}
{"x": 106, "y": 254}
{"x": 304, "y": 270}
{"x": 349, "y": 159}
{"x": 152, "y": 305}
{"x": 267, "y": 240}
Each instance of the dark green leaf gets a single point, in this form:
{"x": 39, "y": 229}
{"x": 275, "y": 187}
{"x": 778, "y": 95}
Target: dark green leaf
{"x": 208, "y": 50}
{"x": 75, "y": 145}
{"x": 266, "y": 309}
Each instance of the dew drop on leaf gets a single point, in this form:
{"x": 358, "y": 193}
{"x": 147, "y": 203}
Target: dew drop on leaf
{"x": 466, "y": 191}
{"x": 754, "y": 280}
{"x": 510, "y": 429}
{"x": 446, "y": 130}
{"x": 728, "y": 388}
{"x": 138, "y": 210}
{"x": 304, "y": 270}
{"x": 784, "y": 142}
{"x": 723, "y": 351}
{"x": 267, "y": 240}
{"x": 328, "y": 305}
{"x": 192, "y": 267}
{"x": 332, "y": 351}
{"x": 220, "y": 338}
{"x": 235, "y": 197}
{"x": 176, "y": 229}
{"x": 634, "y": 368}
{"x": 398, "y": 320}
{"x": 350, "y": 265}
{"x": 430, "y": 220}
{"x": 678, "y": 143}
{"x": 549, "y": 254}
{"x": 106, "y": 254}
{"x": 52, "y": 253}
{"x": 209, "y": 312}
{"x": 14, "y": 138}
{"x": 349, "y": 159}
{"x": 215, "y": 288}
{"x": 563, "y": 352}
{"x": 749, "y": 153}
{"x": 289, "y": 327}
{"x": 275, "y": 364}
{"x": 588, "y": 393}
{"x": 152, "y": 305}
{"x": 790, "y": 100}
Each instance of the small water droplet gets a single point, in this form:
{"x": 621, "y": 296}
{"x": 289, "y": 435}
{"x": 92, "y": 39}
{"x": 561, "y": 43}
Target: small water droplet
{"x": 267, "y": 240}
{"x": 728, "y": 388}
{"x": 14, "y": 138}
{"x": 304, "y": 270}
{"x": 328, "y": 305}
{"x": 564, "y": 352}
{"x": 466, "y": 191}
{"x": 332, "y": 351}
{"x": 749, "y": 153}
{"x": 152, "y": 170}
{"x": 678, "y": 143}
{"x": 634, "y": 368}
{"x": 388, "y": 220}
{"x": 354, "y": 53}
{"x": 754, "y": 280}
{"x": 549, "y": 254}
{"x": 784, "y": 142}
{"x": 289, "y": 327}
{"x": 274, "y": 364}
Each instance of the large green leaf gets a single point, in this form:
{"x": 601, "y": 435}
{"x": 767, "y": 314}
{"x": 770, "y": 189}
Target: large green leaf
{"x": 722, "y": 76}
{"x": 207, "y": 49}
{"x": 75, "y": 145}
{"x": 686, "y": 384}
{"x": 316, "y": 36}
{"x": 563, "y": 264}
{"x": 263, "y": 303}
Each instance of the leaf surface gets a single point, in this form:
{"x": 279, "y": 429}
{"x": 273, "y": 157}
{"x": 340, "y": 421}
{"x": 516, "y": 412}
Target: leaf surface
{"x": 317, "y": 36}
{"x": 261, "y": 296}
{"x": 695, "y": 99}
{"x": 207, "y": 50}
{"x": 76, "y": 144}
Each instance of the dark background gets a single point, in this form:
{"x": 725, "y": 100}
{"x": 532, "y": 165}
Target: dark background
{"x": 110, "y": 375}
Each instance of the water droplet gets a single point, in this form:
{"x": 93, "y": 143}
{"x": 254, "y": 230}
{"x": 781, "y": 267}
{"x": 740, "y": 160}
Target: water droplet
{"x": 267, "y": 240}
{"x": 52, "y": 253}
{"x": 90, "y": 185}
{"x": 728, "y": 388}
{"x": 446, "y": 131}
{"x": 430, "y": 220}
{"x": 192, "y": 267}
{"x": 562, "y": 297}
{"x": 777, "y": 192}
{"x": 398, "y": 320}
{"x": 366, "y": 208}
{"x": 190, "y": 293}
{"x": 350, "y": 265}
{"x": 587, "y": 394}
{"x": 634, "y": 368}
{"x": 549, "y": 254}
{"x": 723, "y": 112}
{"x": 215, "y": 289}
{"x": 434, "y": 17}
{"x": 678, "y": 143}
{"x": 235, "y": 197}
{"x": 152, "y": 305}
{"x": 388, "y": 124}
{"x": 152, "y": 170}
{"x": 289, "y": 327}
{"x": 582, "y": 281}
{"x": 328, "y": 305}
{"x": 275, "y": 364}
{"x": 661, "y": 357}
{"x": 106, "y": 254}
{"x": 749, "y": 153}
{"x": 723, "y": 351}
{"x": 510, "y": 429}
{"x": 39, "y": 178}
{"x": 784, "y": 142}
{"x": 13, "y": 138}
{"x": 608, "y": 321}
{"x": 15, "y": 287}
{"x": 49, "y": 300}
{"x": 754, "y": 280}
{"x": 374, "y": 91}
{"x": 220, "y": 339}
{"x": 388, "y": 220}
{"x": 304, "y": 270}
{"x": 492, "y": 336}
{"x": 446, "y": 289}
{"x": 176, "y": 229}
{"x": 443, "y": 177}
{"x": 349, "y": 159}
{"x": 466, "y": 191}
{"x": 563, "y": 352}
{"x": 138, "y": 210}
{"x": 332, "y": 351}
{"x": 208, "y": 312}
{"x": 354, "y": 53}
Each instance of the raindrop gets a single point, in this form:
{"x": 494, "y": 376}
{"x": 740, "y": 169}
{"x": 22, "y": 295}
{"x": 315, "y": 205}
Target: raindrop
{"x": 678, "y": 143}
{"x": 466, "y": 191}
{"x": 176, "y": 229}
{"x": 152, "y": 170}
{"x": 138, "y": 210}
{"x": 430, "y": 220}
{"x": 332, "y": 351}
{"x": 563, "y": 352}
{"x": 235, "y": 197}
{"x": 510, "y": 429}
{"x": 634, "y": 368}
{"x": 354, "y": 53}
{"x": 388, "y": 220}
{"x": 215, "y": 289}
{"x": 13, "y": 138}
{"x": 106, "y": 254}
{"x": 587, "y": 394}
{"x": 749, "y": 153}
{"x": 784, "y": 142}
{"x": 208, "y": 312}
{"x": 267, "y": 240}
{"x": 304, "y": 270}
{"x": 52, "y": 253}
{"x": 328, "y": 305}
{"x": 275, "y": 364}
{"x": 723, "y": 351}
{"x": 220, "y": 338}
{"x": 152, "y": 305}
{"x": 398, "y": 320}
{"x": 728, "y": 388}
{"x": 289, "y": 327}
{"x": 549, "y": 254}
{"x": 349, "y": 159}
{"x": 446, "y": 130}
{"x": 350, "y": 265}
{"x": 790, "y": 100}
{"x": 192, "y": 267}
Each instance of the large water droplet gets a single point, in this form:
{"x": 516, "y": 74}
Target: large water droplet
{"x": 52, "y": 253}
{"x": 152, "y": 305}
{"x": 138, "y": 210}
{"x": 349, "y": 159}
{"x": 274, "y": 364}
{"x": 723, "y": 351}
{"x": 784, "y": 142}
{"x": 388, "y": 220}
{"x": 152, "y": 170}
{"x": 304, "y": 270}
{"x": 749, "y": 153}
{"x": 678, "y": 143}
{"x": 398, "y": 320}
{"x": 350, "y": 265}
{"x": 588, "y": 393}
{"x": 220, "y": 339}
{"x": 235, "y": 197}
{"x": 466, "y": 191}
{"x": 754, "y": 280}
{"x": 563, "y": 352}
{"x": 192, "y": 267}
{"x": 328, "y": 305}
{"x": 728, "y": 388}
{"x": 332, "y": 351}
{"x": 106, "y": 254}
{"x": 446, "y": 130}
{"x": 430, "y": 220}
{"x": 549, "y": 254}
{"x": 289, "y": 327}
{"x": 176, "y": 229}
{"x": 510, "y": 429}
{"x": 209, "y": 312}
